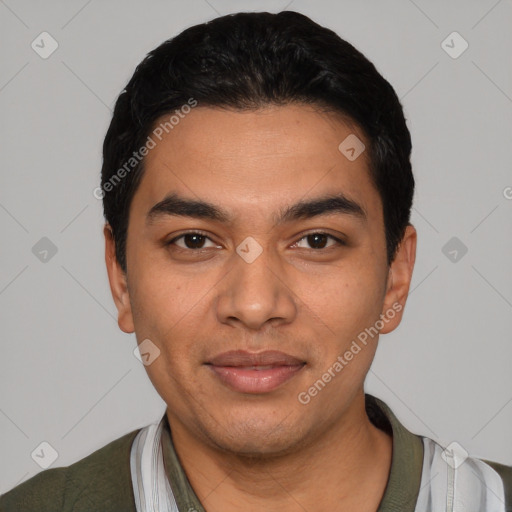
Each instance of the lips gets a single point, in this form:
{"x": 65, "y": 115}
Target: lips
{"x": 242, "y": 358}
{"x": 254, "y": 373}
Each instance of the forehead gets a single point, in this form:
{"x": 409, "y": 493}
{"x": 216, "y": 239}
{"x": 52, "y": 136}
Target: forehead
{"x": 262, "y": 159}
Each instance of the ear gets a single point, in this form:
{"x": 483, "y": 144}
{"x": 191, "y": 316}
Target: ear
{"x": 399, "y": 280}
{"x": 118, "y": 283}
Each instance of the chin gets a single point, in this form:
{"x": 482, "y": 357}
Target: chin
{"x": 258, "y": 438}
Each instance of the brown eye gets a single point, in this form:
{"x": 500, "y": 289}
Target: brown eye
{"x": 319, "y": 240}
{"x": 191, "y": 241}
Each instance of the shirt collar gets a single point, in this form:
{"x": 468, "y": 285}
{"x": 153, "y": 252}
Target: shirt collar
{"x": 404, "y": 480}
{"x": 403, "y": 485}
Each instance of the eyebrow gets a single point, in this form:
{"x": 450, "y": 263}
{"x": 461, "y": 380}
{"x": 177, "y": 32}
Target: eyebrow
{"x": 176, "y": 205}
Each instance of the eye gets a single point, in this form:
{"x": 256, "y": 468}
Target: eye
{"x": 318, "y": 240}
{"x": 196, "y": 240}
{"x": 191, "y": 241}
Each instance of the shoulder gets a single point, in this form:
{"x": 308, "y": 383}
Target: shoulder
{"x": 100, "y": 481}
{"x": 505, "y": 473}
{"x": 463, "y": 479}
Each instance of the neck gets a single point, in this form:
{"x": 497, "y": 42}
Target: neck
{"x": 345, "y": 468}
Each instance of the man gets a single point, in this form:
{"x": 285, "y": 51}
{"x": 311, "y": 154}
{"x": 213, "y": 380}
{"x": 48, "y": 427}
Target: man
{"x": 257, "y": 190}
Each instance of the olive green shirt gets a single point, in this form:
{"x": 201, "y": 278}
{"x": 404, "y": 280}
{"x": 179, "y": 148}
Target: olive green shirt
{"x": 102, "y": 480}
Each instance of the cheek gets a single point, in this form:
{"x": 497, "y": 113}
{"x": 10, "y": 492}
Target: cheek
{"x": 349, "y": 304}
{"x": 164, "y": 298}
{"x": 345, "y": 301}
{"x": 172, "y": 310}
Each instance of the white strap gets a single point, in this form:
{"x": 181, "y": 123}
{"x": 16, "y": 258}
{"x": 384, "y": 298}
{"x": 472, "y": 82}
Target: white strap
{"x": 151, "y": 487}
{"x": 454, "y": 483}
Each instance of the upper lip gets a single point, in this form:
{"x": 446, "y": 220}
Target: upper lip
{"x": 244, "y": 358}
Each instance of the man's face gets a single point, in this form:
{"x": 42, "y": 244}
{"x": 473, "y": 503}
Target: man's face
{"x": 256, "y": 281}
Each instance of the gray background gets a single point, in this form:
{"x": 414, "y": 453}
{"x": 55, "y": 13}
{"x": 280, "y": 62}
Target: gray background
{"x": 68, "y": 374}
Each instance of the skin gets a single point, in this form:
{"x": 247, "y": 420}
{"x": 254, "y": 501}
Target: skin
{"x": 267, "y": 451}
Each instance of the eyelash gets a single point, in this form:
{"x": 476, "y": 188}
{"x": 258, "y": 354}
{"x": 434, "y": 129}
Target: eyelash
{"x": 200, "y": 233}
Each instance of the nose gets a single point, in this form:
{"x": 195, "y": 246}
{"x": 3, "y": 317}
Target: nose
{"x": 255, "y": 291}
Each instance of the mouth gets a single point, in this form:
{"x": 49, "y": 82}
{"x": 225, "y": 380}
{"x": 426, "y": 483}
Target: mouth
{"x": 255, "y": 373}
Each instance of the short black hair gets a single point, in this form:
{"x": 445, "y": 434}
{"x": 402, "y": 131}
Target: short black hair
{"x": 250, "y": 60}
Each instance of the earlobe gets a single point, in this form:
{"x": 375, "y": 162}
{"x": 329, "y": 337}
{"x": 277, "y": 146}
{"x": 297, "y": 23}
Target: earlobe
{"x": 118, "y": 283}
{"x": 399, "y": 280}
